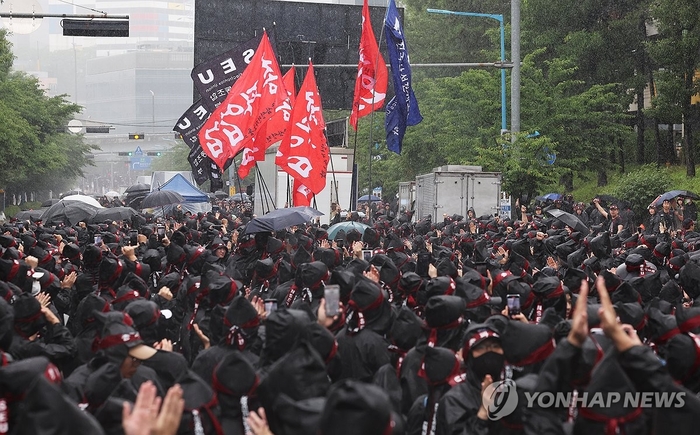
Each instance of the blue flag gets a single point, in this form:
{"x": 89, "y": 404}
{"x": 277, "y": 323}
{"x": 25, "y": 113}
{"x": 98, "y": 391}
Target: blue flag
{"x": 402, "y": 110}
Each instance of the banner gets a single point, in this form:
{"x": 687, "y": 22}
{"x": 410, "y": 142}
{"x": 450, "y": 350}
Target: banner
{"x": 214, "y": 77}
{"x": 402, "y": 110}
{"x": 191, "y": 122}
{"x": 303, "y": 153}
{"x": 250, "y": 103}
{"x": 188, "y": 126}
{"x": 201, "y": 164}
{"x": 272, "y": 132}
{"x": 371, "y": 82}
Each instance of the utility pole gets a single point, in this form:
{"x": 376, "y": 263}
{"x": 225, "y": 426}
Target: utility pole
{"x": 515, "y": 74}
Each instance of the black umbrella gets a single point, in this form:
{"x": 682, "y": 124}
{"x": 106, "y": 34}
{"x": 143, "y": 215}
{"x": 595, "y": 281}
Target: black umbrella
{"x": 282, "y": 218}
{"x": 220, "y": 194}
{"x": 113, "y": 214}
{"x": 69, "y": 212}
{"x": 49, "y": 202}
{"x": 31, "y": 215}
{"x": 133, "y": 199}
{"x": 161, "y": 198}
{"x": 570, "y": 220}
{"x": 138, "y": 188}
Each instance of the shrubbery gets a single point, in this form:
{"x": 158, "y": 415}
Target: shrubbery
{"x": 640, "y": 187}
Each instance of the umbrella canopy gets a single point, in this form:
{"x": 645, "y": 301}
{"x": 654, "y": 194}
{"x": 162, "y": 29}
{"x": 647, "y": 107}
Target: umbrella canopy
{"x": 49, "y": 202}
{"x": 670, "y": 195}
{"x": 369, "y": 198}
{"x": 282, "y": 218}
{"x": 138, "y": 188}
{"x": 570, "y": 220}
{"x": 240, "y": 197}
{"x": 347, "y": 227}
{"x": 160, "y": 198}
{"x": 552, "y": 196}
{"x": 113, "y": 214}
{"x": 112, "y": 194}
{"x": 219, "y": 194}
{"x": 133, "y": 199}
{"x": 69, "y": 212}
{"x": 32, "y": 215}
{"x": 71, "y": 192}
{"x": 83, "y": 198}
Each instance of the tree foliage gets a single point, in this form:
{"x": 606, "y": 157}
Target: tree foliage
{"x": 641, "y": 186}
{"x": 38, "y": 152}
{"x": 584, "y": 63}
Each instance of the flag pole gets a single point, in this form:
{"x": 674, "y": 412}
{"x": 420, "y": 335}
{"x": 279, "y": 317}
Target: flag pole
{"x": 355, "y": 182}
{"x": 371, "y": 119}
{"x": 335, "y": 183}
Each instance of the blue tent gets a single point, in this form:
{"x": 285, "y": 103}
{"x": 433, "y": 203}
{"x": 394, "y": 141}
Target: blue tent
{"x": 188, "y": 191}
{"x": 195, "y": 200}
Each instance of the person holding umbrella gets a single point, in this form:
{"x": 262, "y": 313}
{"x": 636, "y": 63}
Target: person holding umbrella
{"x": 666, "y": 216}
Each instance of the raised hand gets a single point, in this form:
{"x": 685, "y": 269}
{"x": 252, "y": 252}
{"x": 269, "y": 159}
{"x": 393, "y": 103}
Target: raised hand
{"x": 579, "y": 324}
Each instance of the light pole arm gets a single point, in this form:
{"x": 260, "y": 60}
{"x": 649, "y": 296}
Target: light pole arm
{"x": 499, "y": 18}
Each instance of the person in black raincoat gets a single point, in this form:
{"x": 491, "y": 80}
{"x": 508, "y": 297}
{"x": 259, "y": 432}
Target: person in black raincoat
{"x": 38, "y": 332}
{"x": 362, "y": 343}
{"x": 238, "y": 333}
{"x": 461, "y": 410}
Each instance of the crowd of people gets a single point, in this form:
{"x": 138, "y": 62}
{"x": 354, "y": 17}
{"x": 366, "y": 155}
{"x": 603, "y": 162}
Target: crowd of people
{"x": 189, "y": 324}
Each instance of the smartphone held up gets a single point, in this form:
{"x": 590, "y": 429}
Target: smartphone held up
{"x": 332, "y": 296}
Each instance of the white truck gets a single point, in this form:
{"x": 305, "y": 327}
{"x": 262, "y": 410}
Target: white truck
{"x": 454, "y": 189}
{"x": 273, "y": 189}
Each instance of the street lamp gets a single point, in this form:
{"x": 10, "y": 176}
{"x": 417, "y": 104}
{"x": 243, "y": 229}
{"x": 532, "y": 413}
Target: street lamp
{"x": 153, "y": 111}
{"x": 499, "y": 18}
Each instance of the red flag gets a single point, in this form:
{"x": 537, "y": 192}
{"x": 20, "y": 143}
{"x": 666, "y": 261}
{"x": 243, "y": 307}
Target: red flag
{"x": 371, "y": 82}
{"x": 301, "y": 195}
{"x": 272, "y": 132}
{"x": 303, "y": 153}
{"x": 250, "y": 102}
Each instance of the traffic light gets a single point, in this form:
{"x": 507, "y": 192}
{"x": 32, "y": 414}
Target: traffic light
{"x": 126, "y": 153}
{"x": 136, "y": 136}
{"x": 153, "y": 153}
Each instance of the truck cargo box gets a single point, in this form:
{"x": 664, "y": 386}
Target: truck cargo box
{"x": 454, "y": 189}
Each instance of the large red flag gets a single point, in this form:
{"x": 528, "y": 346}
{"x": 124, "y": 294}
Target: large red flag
{"x": 371, "y": 82}
{"x": 303, "y": 153}
{"x": 251, "y": 101}
{"x": 272, "y": 132}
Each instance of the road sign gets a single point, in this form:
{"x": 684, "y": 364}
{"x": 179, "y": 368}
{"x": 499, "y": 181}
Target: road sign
{"x": 139, "y": 151}
{"x": 505, "y": 211}
{"x": 75, "y": 126}
{"x": 141, "y": 163}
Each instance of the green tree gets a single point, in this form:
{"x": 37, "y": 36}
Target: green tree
{"x": 38, "y": 152}
{"x": 523, "y": 163}
{"x": 677, "y": 51}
